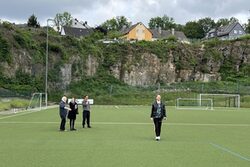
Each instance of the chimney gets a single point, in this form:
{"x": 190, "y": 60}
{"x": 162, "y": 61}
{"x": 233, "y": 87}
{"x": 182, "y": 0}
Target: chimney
{"x": 159, "y": 30}
{"x": 172, "y": 31}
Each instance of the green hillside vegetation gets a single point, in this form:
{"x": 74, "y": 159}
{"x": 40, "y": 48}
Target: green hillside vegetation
{"x": 104, "y": 87}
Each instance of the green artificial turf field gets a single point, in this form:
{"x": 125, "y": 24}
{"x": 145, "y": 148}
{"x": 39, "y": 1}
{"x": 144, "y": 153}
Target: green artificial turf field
{"x": 123, "y": 137}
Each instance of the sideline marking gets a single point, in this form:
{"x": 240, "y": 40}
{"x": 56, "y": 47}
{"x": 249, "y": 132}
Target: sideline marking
{"x": 129, "y": 123}
{"x": 25, "y": 112}
{"x": 229, "y": 151}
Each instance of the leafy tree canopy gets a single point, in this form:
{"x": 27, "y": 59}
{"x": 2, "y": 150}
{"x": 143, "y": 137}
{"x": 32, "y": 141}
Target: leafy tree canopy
{"x": 32, "y": 22}
{"x": 116, "y": 24}
{"x": 165, "y": 23}
{"x": 63, "y": 19}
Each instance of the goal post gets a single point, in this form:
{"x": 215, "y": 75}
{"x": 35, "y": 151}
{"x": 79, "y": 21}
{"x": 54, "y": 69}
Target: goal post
{"x": 37, "y": 101}
{"x": 222, "y": 100}
{"x": 194, "y": 104}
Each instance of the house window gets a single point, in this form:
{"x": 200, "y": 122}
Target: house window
{"x": 240, "y": 32}
{"x": 235, "y": 31}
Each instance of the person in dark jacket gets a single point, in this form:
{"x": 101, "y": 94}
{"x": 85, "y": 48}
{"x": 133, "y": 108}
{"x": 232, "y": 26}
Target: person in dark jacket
{"x": 86, "y": 112}
{"x": 63, "y": 109}
{"x": 158, "y": 113}
{"x": 72, "y": 114}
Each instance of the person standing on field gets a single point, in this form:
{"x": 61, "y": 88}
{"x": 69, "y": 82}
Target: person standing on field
{"x": 72, "y": 114}
{"x": 158, "y": 113}
{"x": 63, "y": 110}
{"x": 86, "y": 112}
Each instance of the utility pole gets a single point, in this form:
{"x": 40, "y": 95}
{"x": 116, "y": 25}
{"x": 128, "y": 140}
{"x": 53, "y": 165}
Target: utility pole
{"x": 46, "y": 63}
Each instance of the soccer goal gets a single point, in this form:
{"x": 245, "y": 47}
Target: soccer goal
{"x": 222, "y": 100}
{"x": 194, "y": 104}
{"x": 37, "y": 101}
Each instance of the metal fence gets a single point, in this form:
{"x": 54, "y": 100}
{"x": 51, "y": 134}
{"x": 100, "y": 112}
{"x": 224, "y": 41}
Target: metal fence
{"x": 144, "y": 95}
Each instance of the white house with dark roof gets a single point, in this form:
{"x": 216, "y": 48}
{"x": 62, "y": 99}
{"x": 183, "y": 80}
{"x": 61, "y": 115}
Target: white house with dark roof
{"x": 163, "y": 34}
{"x": 76, "y": 32}
{"x": 77, "y": 29}
{"x": 231, "y": 31}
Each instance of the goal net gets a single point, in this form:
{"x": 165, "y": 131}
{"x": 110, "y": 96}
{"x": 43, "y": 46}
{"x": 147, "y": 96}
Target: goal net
{"x": 194, "y": 103}
{"x": 222, "y": 100}
{"x": 37, "y": 101}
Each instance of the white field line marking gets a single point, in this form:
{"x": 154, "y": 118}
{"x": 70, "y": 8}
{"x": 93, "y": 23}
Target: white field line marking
{"x": 229, "y": 151}
{"x": 25, "y": 112}
{"x": 19, "y": 114}
{"x": 128, "y": 123}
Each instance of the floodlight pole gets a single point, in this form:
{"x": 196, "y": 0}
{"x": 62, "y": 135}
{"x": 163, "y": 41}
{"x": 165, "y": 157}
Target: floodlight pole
{"x": 46, "y": 63}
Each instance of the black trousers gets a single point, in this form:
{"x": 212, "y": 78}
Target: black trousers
{"x": 158, "y": 123}
{"x": 72, "y": 124}
{"x": 86, "y": 116}
{"x": 63, "y": 122}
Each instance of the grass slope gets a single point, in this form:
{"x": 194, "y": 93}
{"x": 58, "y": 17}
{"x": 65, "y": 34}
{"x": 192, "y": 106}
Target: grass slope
{"x": 123, "y": 136}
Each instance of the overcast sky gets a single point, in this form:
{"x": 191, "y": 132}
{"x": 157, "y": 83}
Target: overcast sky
{"x": 96, "y": 12}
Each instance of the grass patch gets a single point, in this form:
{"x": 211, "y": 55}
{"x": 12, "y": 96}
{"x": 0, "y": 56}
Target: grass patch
{"x": 7, "y": 104}
{"x": 123, "y": 136}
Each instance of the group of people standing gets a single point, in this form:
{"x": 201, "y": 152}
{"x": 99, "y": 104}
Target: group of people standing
{"x": 158, "y": 113}
{"x": 72, "y": 111}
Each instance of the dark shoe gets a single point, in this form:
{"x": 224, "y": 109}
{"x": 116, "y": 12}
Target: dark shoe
{"x": 74, "y": 129}
{"x": 89, "y": 126}
{"x": 83, "y": 127}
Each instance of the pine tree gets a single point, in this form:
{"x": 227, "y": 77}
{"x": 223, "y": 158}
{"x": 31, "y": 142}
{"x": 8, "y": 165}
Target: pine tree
{"x": 32, "y": 22}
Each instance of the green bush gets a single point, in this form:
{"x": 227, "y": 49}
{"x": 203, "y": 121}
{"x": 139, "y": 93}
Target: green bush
{"x": 5, "y": 55}
{"x": 172, "y": 38}
{"x": 212, "y": 43}
{"x": 20, "y": 40}
{"x": 19, "y": 103}
{"x": 23, "y": 38}
{"x": 8, "y": 25}
{"x": 245, "y": 37}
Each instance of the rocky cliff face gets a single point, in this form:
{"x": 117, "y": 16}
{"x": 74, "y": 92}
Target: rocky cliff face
{"x": 150, "y": 70}
{"x": 208, "y": 63}
{"x": 184, "y": 63}
{"x": 21, "y": 60}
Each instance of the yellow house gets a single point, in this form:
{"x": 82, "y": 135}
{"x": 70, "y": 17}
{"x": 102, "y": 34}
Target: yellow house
{"x": 137, "y": 32}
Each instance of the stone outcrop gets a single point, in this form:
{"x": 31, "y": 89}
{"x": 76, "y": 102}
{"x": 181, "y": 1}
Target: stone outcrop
{"x": 182, "y": 64}
{"x": 150, "y": 70}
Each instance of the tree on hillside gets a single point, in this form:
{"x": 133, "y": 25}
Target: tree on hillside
{"x": 193, "y": 30}
{"x": 225, "y": 21}
{"x": 247, "y": 27}
{"x": 63, "y": 19}
{"x": 179, "y": 27}
{"x": 164, "y": 23}
{"x": 32, "y": 22}
{"x": 116, "y": 24}
{"x": 207, "y": 24}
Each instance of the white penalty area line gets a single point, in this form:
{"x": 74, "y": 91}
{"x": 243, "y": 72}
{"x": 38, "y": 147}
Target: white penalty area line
{"x": 25, "y": 112}
{"x": 19, "y": 114}
{"x": 171, "y": 124}
{"x": 128, "y": 123}
{"x": 230, "y": 152}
